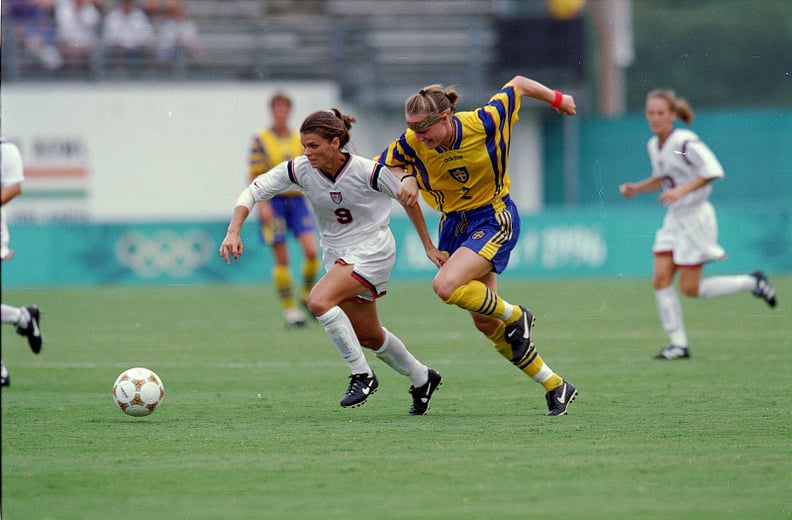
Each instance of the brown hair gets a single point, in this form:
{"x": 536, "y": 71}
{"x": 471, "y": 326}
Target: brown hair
{"x": 280, "y": 97}
{"x": 679, "y": 106}
{"x": 328, "y": 124}
{"x": 433, "y": 99}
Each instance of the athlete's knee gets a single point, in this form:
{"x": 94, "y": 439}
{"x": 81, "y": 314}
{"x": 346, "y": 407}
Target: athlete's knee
{"x": 372, "y": 339}
{"x": 661, "y": 281}
{"x": 443, "y": 287}
{"x": 318, "y": 305}
{"x": 690, "y": 289}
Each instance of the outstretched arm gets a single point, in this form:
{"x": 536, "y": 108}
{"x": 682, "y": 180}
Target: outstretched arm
{"x": 562, "y": 103}
{"x": 232, "y": 243}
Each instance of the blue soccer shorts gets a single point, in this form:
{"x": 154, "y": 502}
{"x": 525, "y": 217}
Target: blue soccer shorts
{"x": 491, "y": 231}
{"x": 292, "y": 214}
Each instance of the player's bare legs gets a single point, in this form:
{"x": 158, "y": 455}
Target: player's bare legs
{"x": 352, "y": 325}
{"x": 468, "y": 281}
{"x": 392, "y": 351}
{"x": 690, "y": 280}
{"x": 693, "y": 284}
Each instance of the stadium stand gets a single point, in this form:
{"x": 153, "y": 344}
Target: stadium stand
{"x": 377, "y": 52}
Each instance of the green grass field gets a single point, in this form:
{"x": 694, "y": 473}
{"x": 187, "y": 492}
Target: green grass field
{"x": 251, "y": 427}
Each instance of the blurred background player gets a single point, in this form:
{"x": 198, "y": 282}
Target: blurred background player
{"x": 26, "y": 318}
{"x": 285, "y": 213}
{"x": 684, "y": 167}
{"x": 352, "y": 197}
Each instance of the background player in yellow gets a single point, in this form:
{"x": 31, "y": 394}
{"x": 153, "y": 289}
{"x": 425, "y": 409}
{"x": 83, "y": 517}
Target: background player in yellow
{"x": 459, "y": 163}
{"x": 285, "y": 213}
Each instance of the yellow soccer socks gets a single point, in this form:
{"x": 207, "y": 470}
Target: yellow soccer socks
{"x": 310, "y": 269}
{"x": 283, "y": 286}
{"x": 533, "y": 365}
{"x": 474, "y": 296}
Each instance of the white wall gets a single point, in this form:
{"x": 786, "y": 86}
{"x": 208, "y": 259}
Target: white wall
{"x": 151, "y": 151}
{"x": 177, "y": 151}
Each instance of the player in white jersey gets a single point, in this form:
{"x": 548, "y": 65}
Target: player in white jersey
{"x": 683, "y": 167}
{"x": 352, "y": 200}
{"x": 26, "y": 318}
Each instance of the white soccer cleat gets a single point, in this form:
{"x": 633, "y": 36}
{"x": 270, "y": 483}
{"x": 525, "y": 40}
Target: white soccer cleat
{"x": 294, "y": 317}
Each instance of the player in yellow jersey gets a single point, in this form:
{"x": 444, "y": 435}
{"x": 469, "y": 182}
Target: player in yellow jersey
{"x": 459, "y": 165}
{"x": 288, "y": 212}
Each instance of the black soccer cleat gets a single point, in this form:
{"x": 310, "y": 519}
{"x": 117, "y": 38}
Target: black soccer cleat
{"x": 361, "y": 386}
{"x": 558, "y": 399}
{"x": 674, "y": 352}
{"x": 423, "y": 394}
{"x": 33, "y": 330}
{"x": 764, "y": 289}
{"x": 518, "y": 335}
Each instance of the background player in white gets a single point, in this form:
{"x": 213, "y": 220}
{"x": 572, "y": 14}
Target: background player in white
{"x": 26, "y": 318}
{"x": 351, "y": 196}
{"x": 683, "y": 167}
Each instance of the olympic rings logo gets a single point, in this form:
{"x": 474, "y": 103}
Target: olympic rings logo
{"x": 164, "y": 252}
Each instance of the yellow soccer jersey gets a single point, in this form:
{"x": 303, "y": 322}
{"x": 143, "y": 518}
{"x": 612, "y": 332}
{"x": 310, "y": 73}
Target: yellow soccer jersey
{"x": 268, "y": 150}
{"x": 473, "y": 171}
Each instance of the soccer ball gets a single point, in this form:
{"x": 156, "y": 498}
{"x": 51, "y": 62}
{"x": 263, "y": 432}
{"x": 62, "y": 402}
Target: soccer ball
{"x": 138, "y": 391}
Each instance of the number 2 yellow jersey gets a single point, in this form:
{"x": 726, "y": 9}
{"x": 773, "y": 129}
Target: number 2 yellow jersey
{"x": 473, "y": 171}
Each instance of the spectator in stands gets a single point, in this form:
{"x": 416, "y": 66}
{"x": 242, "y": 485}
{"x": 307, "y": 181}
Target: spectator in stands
{"x": 177, "y": 33}
{"x": 153, "y": 9}
{"x": 128, "y": 33}
{"x": 33, "y": 29}
{"x": 77, "y": 25}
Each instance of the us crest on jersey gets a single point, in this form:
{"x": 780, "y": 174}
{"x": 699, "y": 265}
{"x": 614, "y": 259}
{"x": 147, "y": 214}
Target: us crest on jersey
{"x": 459, "y": 174}
{"x": 336, "y": 197}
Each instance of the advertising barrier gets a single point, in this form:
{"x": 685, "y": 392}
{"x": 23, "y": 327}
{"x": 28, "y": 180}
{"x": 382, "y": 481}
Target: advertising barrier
{"x": 553, "y": 244}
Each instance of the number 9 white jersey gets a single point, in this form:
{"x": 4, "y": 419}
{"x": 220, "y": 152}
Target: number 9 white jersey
{"x": 682, "y": 158}
{"x": 351, "y": 207}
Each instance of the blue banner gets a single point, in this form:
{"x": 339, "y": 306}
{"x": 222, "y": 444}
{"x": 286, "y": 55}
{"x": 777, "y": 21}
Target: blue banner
{"x": 604, "y": 242}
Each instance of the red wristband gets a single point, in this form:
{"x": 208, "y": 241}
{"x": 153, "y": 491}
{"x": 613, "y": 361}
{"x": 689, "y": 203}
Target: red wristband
{"x": 559, "y": 98}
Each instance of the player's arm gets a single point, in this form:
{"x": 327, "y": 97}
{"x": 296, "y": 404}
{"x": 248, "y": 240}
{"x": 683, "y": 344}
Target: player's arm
{"x": 563, "y": 103}
{"x": 408, "y": 187}
{"x": 232, "y": 243}
{"x": 628, "y": 189}
{"x": 436, "y": 256}
{"x": 7, "y": 193}
{"x": 676, "y": 193}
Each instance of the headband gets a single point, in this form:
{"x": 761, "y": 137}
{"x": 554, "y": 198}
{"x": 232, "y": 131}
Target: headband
{"x": 425, "y": 123}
